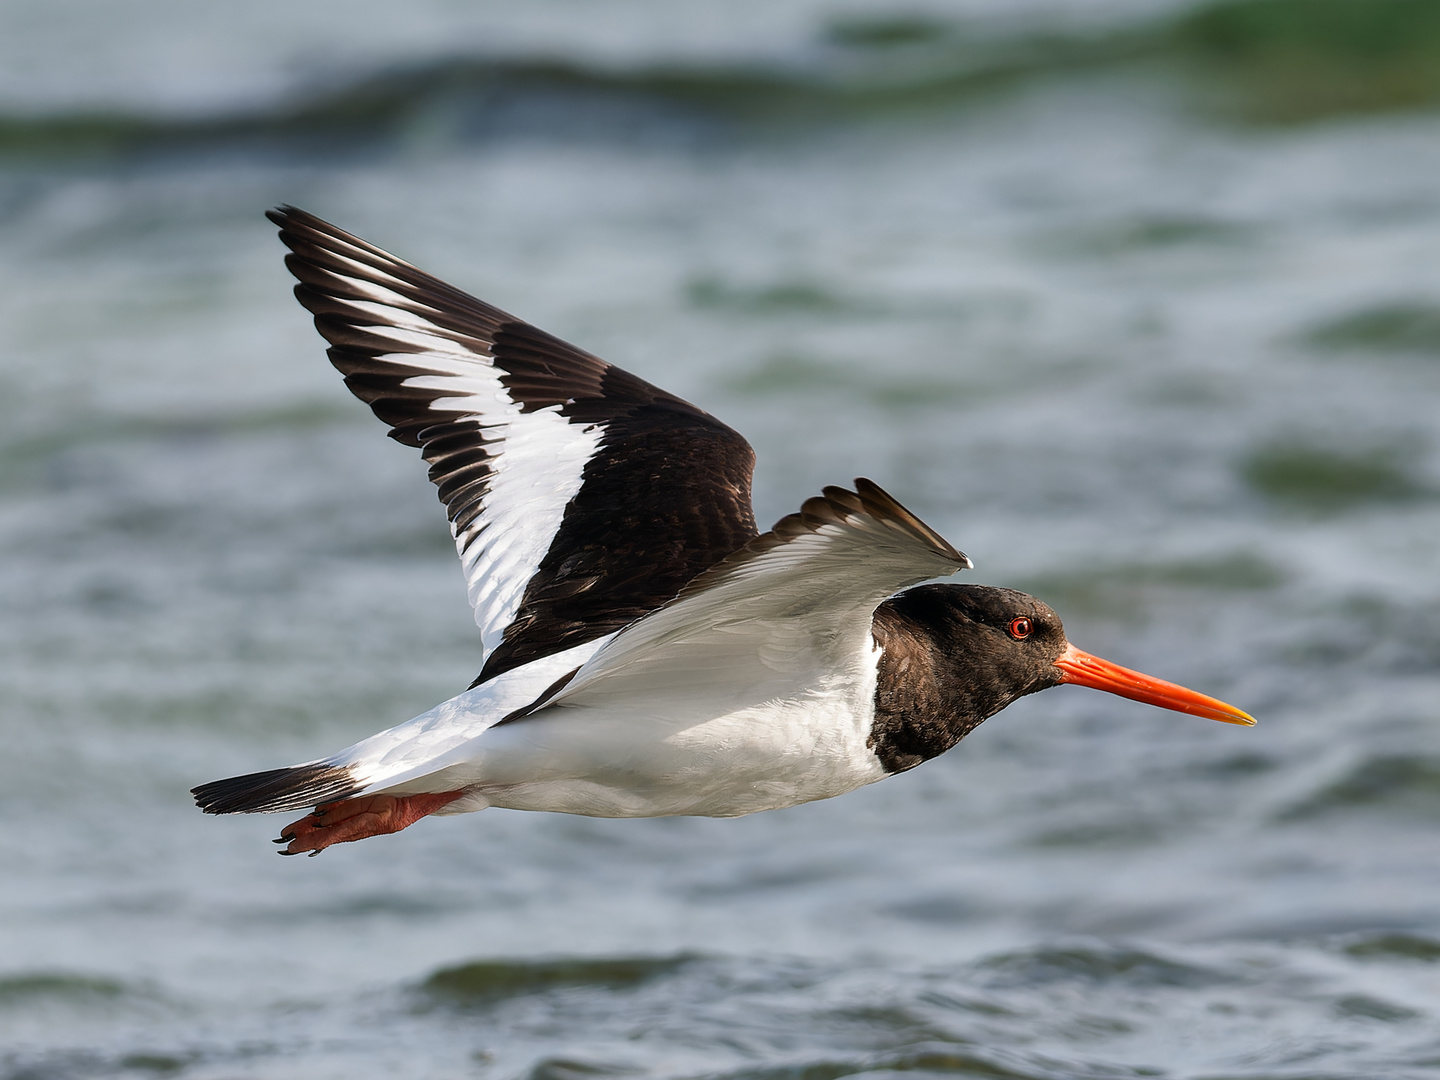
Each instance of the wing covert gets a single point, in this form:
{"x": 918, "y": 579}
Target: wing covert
{"x": 797, "y": 598}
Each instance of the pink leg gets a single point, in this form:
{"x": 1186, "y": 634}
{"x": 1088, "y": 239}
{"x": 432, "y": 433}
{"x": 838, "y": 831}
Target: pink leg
{"x": 345, "y": 820}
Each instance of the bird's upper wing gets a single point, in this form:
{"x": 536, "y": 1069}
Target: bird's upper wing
{"x": 797, "y": 600}
{"x": 580, "y": 497}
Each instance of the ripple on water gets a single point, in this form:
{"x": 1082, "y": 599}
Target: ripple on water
{"x": 920, "y": 1060}
{"x": 1110, "y": 965}
{"x": 1402, "y": 784}
{"x": 485, "y": 982}
{"x": 1396, "y": 946}
{"x": 1120, "y": 589}
{"x": 1325, "y": 480}
{"x": 36, "y": 987}
{"x": 1064, "y": 1011}
{"x": 1401, "y": 326}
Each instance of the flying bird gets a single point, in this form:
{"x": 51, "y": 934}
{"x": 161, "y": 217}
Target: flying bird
{"x": 647, "y": 651}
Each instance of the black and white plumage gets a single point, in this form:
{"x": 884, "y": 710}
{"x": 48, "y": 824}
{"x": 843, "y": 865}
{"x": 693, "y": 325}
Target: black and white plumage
{"x": 646, "y": 652}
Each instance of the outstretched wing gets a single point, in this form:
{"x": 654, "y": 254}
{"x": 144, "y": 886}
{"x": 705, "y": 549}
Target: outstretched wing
{"x": 796, "y": 601}
{"x": 580, "y": 497}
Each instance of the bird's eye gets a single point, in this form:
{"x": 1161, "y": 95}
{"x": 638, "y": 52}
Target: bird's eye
{"x": 1020, "y": 628}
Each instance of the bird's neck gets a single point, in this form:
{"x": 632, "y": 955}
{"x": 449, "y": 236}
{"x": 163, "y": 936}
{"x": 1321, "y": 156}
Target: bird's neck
{"x": 927, "y": 697}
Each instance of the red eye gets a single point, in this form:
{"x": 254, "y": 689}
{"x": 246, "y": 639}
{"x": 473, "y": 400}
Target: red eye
{"x": 1020, "y": 628}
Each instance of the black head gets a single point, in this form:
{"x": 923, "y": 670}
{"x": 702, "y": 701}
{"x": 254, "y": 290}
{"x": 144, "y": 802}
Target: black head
{"x": 956, "y": 654}
{"x": 997, "y": 644}
{"x": 1005, "y": 628}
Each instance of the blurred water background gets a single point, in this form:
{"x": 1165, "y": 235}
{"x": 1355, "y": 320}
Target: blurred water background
{"x": 1136, "y": 301}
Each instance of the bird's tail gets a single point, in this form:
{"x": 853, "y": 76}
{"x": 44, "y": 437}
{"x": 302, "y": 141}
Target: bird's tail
{"x": 297, "y": 788}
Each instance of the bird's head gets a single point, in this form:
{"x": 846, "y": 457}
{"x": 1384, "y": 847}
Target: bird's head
{"x": 1008, "y": 644}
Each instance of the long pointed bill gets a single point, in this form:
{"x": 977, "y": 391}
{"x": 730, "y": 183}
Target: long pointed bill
{"x": 1082, "y": 669}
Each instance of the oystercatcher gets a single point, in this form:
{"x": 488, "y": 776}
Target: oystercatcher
{"x": 646, "y": 650}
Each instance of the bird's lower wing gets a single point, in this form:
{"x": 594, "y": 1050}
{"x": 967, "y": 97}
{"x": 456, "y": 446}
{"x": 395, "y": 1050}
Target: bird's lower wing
{"x": 796, "y": 600}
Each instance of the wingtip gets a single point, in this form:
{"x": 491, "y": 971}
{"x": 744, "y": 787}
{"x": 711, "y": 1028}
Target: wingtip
{"x": 291, "y": 218}
{"x": 885, "y": 506}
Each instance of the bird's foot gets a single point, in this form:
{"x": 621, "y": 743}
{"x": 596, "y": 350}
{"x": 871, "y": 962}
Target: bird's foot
{"x": 345, "y": 820}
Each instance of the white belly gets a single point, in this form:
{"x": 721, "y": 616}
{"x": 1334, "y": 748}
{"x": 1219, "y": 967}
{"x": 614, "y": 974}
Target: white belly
{"x": 608, "y": 764}
{"x": 703, "y": 739}
{"x": 667, "y": 755}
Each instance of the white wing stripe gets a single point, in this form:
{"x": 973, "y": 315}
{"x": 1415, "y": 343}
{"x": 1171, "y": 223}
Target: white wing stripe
{"x": 450, "y": 384}
{"x": 536, "y": 459}
{"x": 531, "y": 483}
{"x": 467, "y": 405}
{"x": 457, "y": 366}
{"x": 391, "y": 314}
{"x": 386, "y": 299}
{"x": 425, "y": 339}
{"x": 367, "y": 274}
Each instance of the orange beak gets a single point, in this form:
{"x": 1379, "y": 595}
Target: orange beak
{"x": 1082, "y": 669}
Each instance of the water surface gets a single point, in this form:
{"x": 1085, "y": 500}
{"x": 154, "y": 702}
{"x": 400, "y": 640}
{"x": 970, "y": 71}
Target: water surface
{"x": 1135, "y": 302}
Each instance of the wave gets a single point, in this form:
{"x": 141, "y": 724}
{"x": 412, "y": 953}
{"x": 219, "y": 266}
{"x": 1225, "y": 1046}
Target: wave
{"x": 926, "y": 1059}
{"x": 1258, "y": 60}
{"x": 1394, "y": 945}
{"x": 1403, "y": 785}
{"x": 1402, "y": 326}
{"x": 1110, "y": 965}
{"x": 62, "y": 987}
{"x": 1308, "y": 477}
{"x": 484, "y": 982}
{"x": 467, "y": 99}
